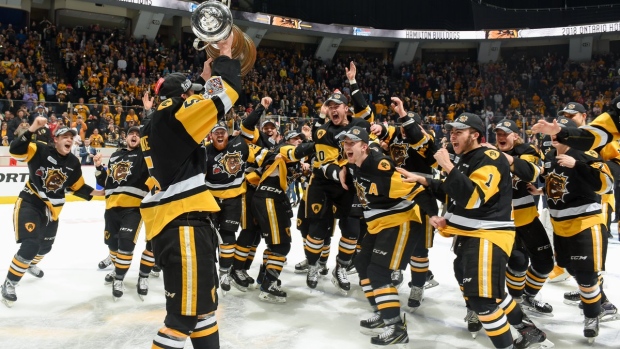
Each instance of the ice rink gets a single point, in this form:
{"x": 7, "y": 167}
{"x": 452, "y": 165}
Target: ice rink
{"x": 71, "y": 308}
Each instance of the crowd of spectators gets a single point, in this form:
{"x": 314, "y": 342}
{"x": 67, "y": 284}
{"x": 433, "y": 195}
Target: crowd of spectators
{"x": 103, "y": 75}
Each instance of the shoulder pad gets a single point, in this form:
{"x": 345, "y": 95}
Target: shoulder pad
{"x": 165, "y": 104}
{"x": 592, "y": 153}
{"x": 384, "y": 165}
{"x": 492, "y": 153}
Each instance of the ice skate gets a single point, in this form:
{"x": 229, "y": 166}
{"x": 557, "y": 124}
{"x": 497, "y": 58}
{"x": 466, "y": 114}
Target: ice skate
{"x": 394, "y": 335}
{"x": 572, "y": 298}
{"x": 238, "y": 280}
{"x": 105, "y": 263}
{"x": 250, "y": 279}
{"x": 224, "y": 281}
{"x": 416, "y": 295}
{"x": 558, "y": 274}
{"x": 531, "y": 336}
{"x": 609, "y": 312}
{"x": 117, "y": 289}
{"x": 35, "y": 271}
{"x": 529, "y": 303}
{"x": 323, "y": 269}
{"x": 430, "y": 280}
{"x": 109, "y": 278}
{"x": 312, "y": 278}
{"x": 397, "y": 278}
{"x": 301, "y": 267}
{"x": 372, "y": 326}
{"x": 142, "y": 287}
{"x": 271, "y": 292}
{"x": 155, "y": 271}
{"x": 8, "y": 293}
{"x": 590, "y": 329}
{"x": 340, "y": 279}
{"x": 473, "y": 323}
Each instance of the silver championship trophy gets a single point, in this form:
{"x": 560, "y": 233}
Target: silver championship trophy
{"x": 212, "y": 22}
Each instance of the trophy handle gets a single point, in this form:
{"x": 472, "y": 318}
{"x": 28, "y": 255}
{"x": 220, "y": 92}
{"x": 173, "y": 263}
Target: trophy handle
{"x": 197, "y": 46}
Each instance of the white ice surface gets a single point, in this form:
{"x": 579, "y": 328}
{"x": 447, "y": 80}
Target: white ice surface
{"x": 71, "y": 308}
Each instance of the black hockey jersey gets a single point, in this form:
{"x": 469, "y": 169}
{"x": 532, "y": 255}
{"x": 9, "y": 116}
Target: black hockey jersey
{"x": 276, "y": 174}
{"x": 173, "y": 151}
{"x": 125, "y": 179}
{"x": 413, "y": 151}
{"x": 385, "y": 197}
{"x": 526, "y": 169}
{"x": 480, "y": 192}
{"x": 573, "y": 193}
{"x": 50, "y": 174}
{"x": 226, "y": 169}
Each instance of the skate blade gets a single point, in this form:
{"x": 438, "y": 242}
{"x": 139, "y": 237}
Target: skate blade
{"x": 569, "y": 302}
{"x": 340, "y": 290}
{"x": 412, "y": 309}
{"x": 399, "y": 346}
{"x": 239, "y": 287}
{"x": 591, "y": 340}
{"x": 546, "y": 344}
{"x": 154, "y": 274}
{"x": 430, "y": 284}
{"x": 533, "y": 311}
{"x": 8, "y": 303}
{"x": 609, "y": 318}
{"x": 371, "y": 331}
{"x": 301, "y": 271}
{"x": 142, "y": 296}
{"x": 473, "y": 335}
{"x": 271, "y": 298}
{"x": 115, "y": 298}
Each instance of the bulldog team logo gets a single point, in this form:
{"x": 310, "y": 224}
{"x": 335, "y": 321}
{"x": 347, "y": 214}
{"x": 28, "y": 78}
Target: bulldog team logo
{"x": 462, "y": 118}
{"x": 556, "y": 186}
{"x": 53, "y": 179}
{"x": 30, "y": 226}
{"x": 120, "y": 171}
{"x": 320, "y": 133}
{"x": 361, "y": 194}
{"x": 398, "y": 152}
{"x": 231, "y": 163}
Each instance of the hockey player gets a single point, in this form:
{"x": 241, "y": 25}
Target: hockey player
{"x": 389, "y": 216}
{"x": 412, "y": 149}
{"x": 572, "y": 181}
{"x": 177, "y": 210}
{"x": 226, "y": 158}
{"x": 273, "y": 211}
{"x": 52, "y": 170}
{"x": 125, "y": 184}
{"x": 327, "y": 186}
{"x": 479, "y": 187}
{"x": 532, "y": 246}
{"x": 249, "y": 237}
{"x": 576, "y": 112}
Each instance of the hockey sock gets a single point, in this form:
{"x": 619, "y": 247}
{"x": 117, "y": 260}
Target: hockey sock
{"x": 419, "y": 268}
{"x": 206, "y": 335}
{"x": 147, "y": 261}
{"x": 168, "y": 338}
